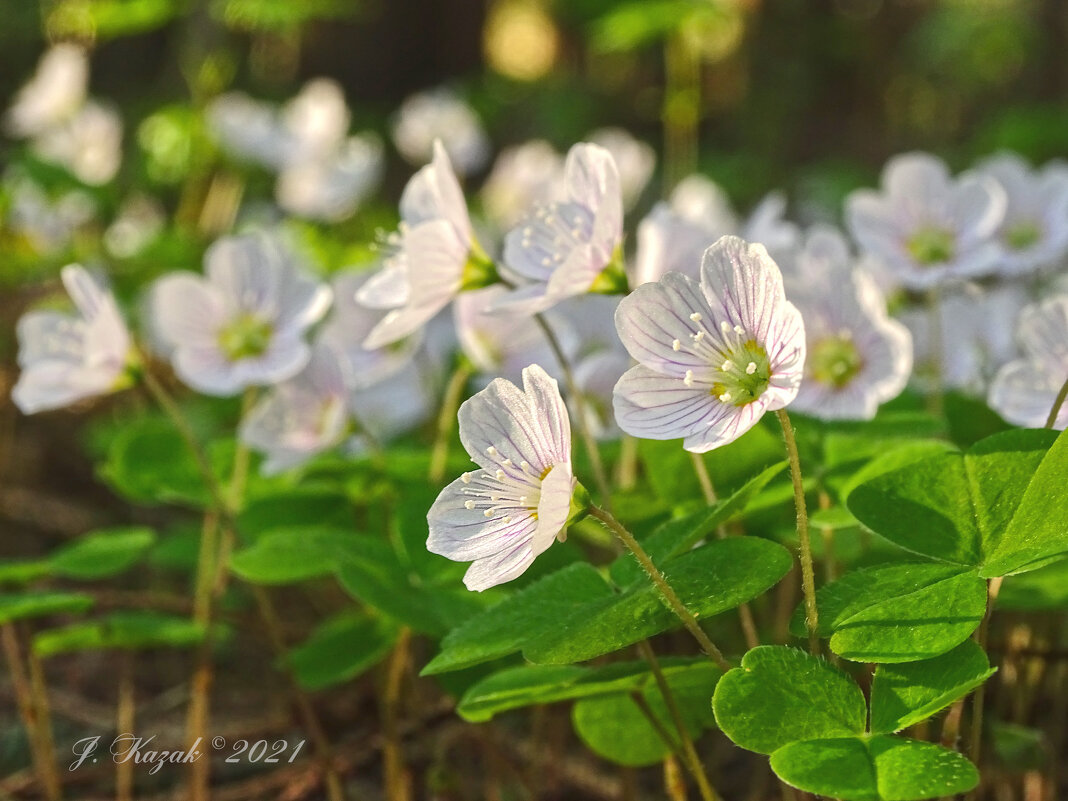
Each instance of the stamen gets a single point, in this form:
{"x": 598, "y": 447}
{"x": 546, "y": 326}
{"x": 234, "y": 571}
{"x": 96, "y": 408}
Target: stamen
{"x": 491, "y": 451}
{"x": 696, "y": 317}
{"x": 750, "y": 368}
{"x": 500, "y": 475}
{"x": 488, "y": 513}
{"x": 466, "y": 478}
{"x": 739, "y": 330}
{"x": 688, "y": 380}
{"x": 698, "y": 336}
{"x": 506, "y": 519}
{"x": 725, "y": 327}
{"x": 469, "y": 505}
{"x": 506, "y": 463}
{"x": 727, "y": 366}
{"x": 725, "y": 397}
{"x": 675, "y": 345}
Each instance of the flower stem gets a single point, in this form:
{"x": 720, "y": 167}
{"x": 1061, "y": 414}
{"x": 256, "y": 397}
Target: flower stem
{"x": 936, "y": 400}
{"x": 1062, "y": 395}
{"x": 450, "y": 403}
{"x": 599, "y": 474}
{"x": 672, "y": 600}
{"x": 689, "y": 753}
{"x": 978, "y": 702}
{"x": 745, "y": 613}
{"x": 808, "y": 576}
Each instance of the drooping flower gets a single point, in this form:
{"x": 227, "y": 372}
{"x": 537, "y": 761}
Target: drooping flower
{"x": 348, "y": 326}
{"x": 243, "y": 324}
{"x": 571, "y": 246}
{"x": 674, "y": 235}
{"x": 1024, "y": 390}
{"x": 926, "y": 226}
{"x": 713, "y": 356}
{"x": 634, "y": 159}
{"x": 437, "y": 255}
{"x": 66, "y": 358}
{"x": 858, "y": 358}
{"x": 56, "y": 92}
{"x": 1034, "y": 233}
{"x": 441, "y": 114}
{"x": 505, "y": 514}
{"x": 303, "y": 416}
{"x": 522, "y": 176}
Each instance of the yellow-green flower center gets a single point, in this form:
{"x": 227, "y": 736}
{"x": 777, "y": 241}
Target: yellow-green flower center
{"x": 1022, "y": 236}
{"x": 931, "y": 245}
{"x": 246, "y": 337}
{"x": 744, "y": 376}
{"x": 835, "y": 361}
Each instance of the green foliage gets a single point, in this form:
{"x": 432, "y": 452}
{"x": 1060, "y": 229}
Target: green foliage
{"x": 898, "y": 612}
{"x": 987, "y": 507}
{"x": 528, "y": 685}
{"x": 125, "y": 631}
{"x": 290, "y": 555}
{"x": 341, "y": 648}
{"x": 811, "y": 718}
{"x": 617, "y": 728}
{"x": 102, "y": 554}
{"x": 41, "y": 604}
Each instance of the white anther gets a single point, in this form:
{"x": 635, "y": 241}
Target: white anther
{"x": 688, "y": 380}
{"x": 696, "y": 317}
{"x": 524, "y": 466}
{"x": 500, "y": 475}
{"x": 506, "y": 519}
{"x": 488, "y": 513}
{"x": 698, "y": 336}
{"x": 725, "y": 397}
{"x": 725, "y": 327}
{"x": 739, "y": 330}
{"x": 727, "y": 366}
{"x": 491, "y": 451}
{"x": 506, "y": 463}
{"x": 469, "y": 505}
{"x": 466, "y": 478}
{"x": 675, "y": 345}
{"x": 522, "y": 500}
{"x": 750, "y": 368}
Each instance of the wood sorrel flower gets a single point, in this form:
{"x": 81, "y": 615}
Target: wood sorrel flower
{"x": 572, "y": 246}
{"x": 926, "y": 226}
{"x": 243, "y": 324}
{"x": 502, "y": 516}
{"x": 857, "y": 357}
{"x": 302, "y": 416}
{"x": 1034, "y": 233}
{"x": 436, "y": 256}
{"x": 66, "y": 358}
{"x": 55, "y": 93}
{"x": 1024, "y": 390}
{"x": 713, "y": 356}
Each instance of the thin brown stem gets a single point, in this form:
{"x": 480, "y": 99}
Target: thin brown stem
{"x": 668, "y": 595}
{"x": 450, "y": 403}
{"x": 125, "y": 723}
{"x": 689, "y": 753}
{"x": 579, "y": 403}
{"x": 745, "y": 613}
{"x": 43, "y": 714}
{"x": 808, "y": 575}
{"x": 975, "y": 749}
{"x": 44, "y": 764}
{"x": 397, "y": 778}
{"x": 1058, "y": 402}
{"x": 309, "y": 718}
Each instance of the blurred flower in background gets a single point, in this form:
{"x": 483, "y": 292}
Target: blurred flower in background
{"x": 440, "y": 114}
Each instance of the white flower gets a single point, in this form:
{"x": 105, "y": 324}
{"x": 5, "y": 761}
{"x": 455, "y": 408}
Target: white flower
{"x": 442, "y": 115}
{"x": 248, "y": 129}
{"x": 572, "y": 246}
{"x": 88, "y": 144}
{"x": 140, "y": 220}
{"x": 976, "y": 334}
{"x": 303, "y": 416}
{"x": 48, "y": 224}
{"x": 1024, "y": 390}
{"x": 503, "y": 515}
{"x": 332, "y": 188}
{"x": 503, "y": 344}
{"x": 244, "y": 323}
{"x": 437, "y": 254}
{"x": 674, "y": 235}
{"x": 348, "y": 326}
{"x": 1034, "y": 233}
{"x": 56, "y": 91}
{"x": 397, "y": 403}
{"x": 522, "y": 176}
{"x": 927, "y": 227}
{"x": 66, "y": 358}
{"x": 316, "y": 121}
{"x": 714, "y": 356}
{"x": 634, "y": 159}
{"x": 857, "y": 357}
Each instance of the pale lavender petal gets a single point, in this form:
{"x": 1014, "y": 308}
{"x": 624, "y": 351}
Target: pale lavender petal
{"x": 655, "y": 316}
{"x": 186, "y": 310}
